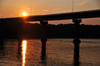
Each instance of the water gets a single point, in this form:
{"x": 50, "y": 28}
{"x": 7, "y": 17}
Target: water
{"x": 60, "y": 52}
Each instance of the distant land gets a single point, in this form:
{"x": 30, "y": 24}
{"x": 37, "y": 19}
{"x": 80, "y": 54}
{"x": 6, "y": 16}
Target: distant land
{"x": 33, "y": 31}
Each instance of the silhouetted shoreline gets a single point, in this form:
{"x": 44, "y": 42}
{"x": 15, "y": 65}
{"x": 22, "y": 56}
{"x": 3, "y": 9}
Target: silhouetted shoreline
{"x": 33, "y": 31}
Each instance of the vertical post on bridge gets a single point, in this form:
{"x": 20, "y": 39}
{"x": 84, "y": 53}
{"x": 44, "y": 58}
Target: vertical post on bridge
{"x": 76, "y": 41}
{"x": 43, "y": 39}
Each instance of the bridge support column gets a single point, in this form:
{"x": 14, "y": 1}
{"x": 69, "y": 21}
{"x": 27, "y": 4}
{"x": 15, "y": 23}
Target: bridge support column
{"x": 19, "y": 47}
{"x": 76, "y": 41}
{"x": 1, "y": 35}
{"x": 20, "y": 37}
{"x": 43, "y": 39}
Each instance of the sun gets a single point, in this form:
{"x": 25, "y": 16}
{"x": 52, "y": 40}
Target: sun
{"x": 24, "y": 14}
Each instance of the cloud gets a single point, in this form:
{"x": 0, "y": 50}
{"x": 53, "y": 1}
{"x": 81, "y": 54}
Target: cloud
{"x": 98, "y": 3}
{"x": 45, "y": 10}
{"x": 56, "y": 9}
{"x": 84, "y": 2}
{"x": 16, "y": 4}
{"x": 28, "y": 8}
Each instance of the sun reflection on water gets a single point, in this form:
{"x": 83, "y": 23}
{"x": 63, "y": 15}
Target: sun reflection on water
{"x": 24, "y": 46}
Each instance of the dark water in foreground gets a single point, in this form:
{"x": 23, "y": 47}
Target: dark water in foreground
{"x": 60, "y": 52}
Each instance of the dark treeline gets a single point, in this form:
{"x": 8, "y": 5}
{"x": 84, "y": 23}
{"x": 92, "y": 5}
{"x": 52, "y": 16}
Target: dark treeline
{"x": 53, "y": 31}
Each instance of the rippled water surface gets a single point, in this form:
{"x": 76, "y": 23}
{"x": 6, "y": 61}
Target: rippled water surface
{"x": 59, "y": 52}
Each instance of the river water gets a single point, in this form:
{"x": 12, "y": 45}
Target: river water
{"x": 59, "y": 52}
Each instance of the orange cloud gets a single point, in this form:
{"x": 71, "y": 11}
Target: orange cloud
{"x": 84, "y": 2}
{"x": 45, "y": 10}
{"x": 56, "y": 9}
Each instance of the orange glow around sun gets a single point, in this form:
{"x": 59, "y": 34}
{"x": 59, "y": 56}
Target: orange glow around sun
{"x": 24, "y": 14}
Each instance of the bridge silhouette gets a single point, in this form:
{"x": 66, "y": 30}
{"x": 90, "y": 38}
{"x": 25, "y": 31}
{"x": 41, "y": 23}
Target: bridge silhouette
{"x": 75, "y": 16}
{"x": 61, "y": 16}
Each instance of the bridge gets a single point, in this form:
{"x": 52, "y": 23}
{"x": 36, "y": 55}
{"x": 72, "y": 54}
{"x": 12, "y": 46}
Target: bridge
{"x": 75, "y": 16}
{"x": 61, "y": 16}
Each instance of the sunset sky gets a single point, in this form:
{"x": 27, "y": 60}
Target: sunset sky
{"x": 15, "y": 8}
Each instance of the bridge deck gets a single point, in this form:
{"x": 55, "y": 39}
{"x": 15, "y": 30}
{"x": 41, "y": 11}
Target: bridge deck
{"x": 61, "y": 16}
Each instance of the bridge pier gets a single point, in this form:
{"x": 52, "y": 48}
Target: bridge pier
{"x": 19, "y": 47}
{"x": 76, "y": 41}
{"x": 43, "y": 39}
{"x": 20, "y": 37}
{"x": 1, "y": 35}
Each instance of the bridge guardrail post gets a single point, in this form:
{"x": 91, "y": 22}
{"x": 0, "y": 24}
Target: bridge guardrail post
{"x": 43, "y": 39}
{"x": 76, "y": 41}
